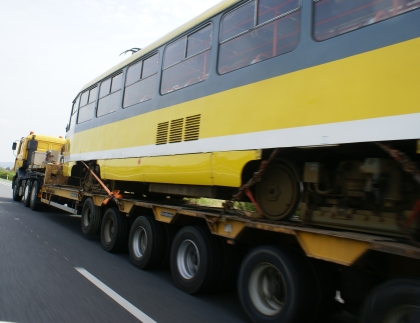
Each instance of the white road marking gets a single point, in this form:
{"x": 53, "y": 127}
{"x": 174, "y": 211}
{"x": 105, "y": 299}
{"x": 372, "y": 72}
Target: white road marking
{"x": 65, "y": 258}
{"x": 7, "y": 183}
{"x": 117, "y": 298}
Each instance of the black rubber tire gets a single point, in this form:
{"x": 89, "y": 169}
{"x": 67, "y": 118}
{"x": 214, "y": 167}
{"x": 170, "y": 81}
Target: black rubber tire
{"x": 291, "y": 283}
{"x": 202, "y": 249}
{"x": 146, "y": 243}
{"x": 15, "y": 191}
{"x": 91, "y": 218}
{"x": 398, "y": 295}
{"x": 27, "y": 193}
{"x": 34, "y": 202}
{"x": 169, "y": 235}
{"x": 230, "y": 261}
{"x": 114, "y": 231}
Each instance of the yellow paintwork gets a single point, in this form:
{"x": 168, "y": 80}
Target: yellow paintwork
{"x": 335, "y": 249}
{"x": 229, "y": 228}
{"x": 164, "y": 214}
{"x": 222, "y": 168}
{"x": 375, "y": 84}
{"x": 344, "y": 93}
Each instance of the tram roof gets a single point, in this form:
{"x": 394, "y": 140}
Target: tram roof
{"x": 156, "y": 44}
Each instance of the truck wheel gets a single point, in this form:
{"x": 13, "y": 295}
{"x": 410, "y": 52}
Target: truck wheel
{"x": 396, "y": 301}
{"x": 34, "y": 201}
{"x": 16, "y": 196}
{"x": 27, "y": 193}
{"x": 146, "y": 243}
{"x": 114, "y": 231}
{"x": 195, "y": 263}
{"x": 276, "y": 285}
{"x": 91, "y": 218}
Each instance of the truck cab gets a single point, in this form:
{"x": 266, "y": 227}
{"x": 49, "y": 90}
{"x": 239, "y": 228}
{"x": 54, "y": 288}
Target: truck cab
{"x": 33, "y": 153}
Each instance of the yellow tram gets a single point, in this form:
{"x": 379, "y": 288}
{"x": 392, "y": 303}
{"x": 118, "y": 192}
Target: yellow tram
{"x": 195, "y": 112}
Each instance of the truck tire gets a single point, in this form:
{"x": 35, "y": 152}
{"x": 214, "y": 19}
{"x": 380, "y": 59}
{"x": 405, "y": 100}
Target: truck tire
{"x": 276, "y": 285}
{"x": 34, "y": 201}
{"x": 146, "y": 243}
{"x": 27, "y": 193}
{"x": 114, "y": 231}
{"x": 396, "y": 301}
{"x": 15, "y": 192}
{"x": 91, "y": 218}
{"x": 195, "y": 262}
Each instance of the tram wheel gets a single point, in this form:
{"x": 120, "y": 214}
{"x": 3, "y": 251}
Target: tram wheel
{"x": 195, "y": 263}
{"x": 27, "y": 193}
{"x": 396, "y": 301}
{"x": 276, "y": 285}
{"x": 114, "y": 231}
{"x": 278, "y": 192}
{"x": 146, "y": 243}
{"x": 91, "y": 218}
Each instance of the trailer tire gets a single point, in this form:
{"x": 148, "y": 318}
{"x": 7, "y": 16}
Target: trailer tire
{"x": 397, "y": 300}
{"x": 27, "y": 193}
{"x": 195, "y": 263}
{"x": 276, "y": 285}
{"x": 34, "y": 202}
{"x": 15, "y": 192}
{"x": 114, "y": 231}
{"x": 146, "y": 243}
{"x": 91, "y": 218}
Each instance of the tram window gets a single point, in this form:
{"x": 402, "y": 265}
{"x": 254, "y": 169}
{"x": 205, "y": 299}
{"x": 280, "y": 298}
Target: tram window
{"x": 333, "y": 18}
{"x": 75, "y": 105}
{"x": 142, "y": 89}
{"x": 133, "y": 73}
{"x": 276, "y": 34}
{"x": 73, "y": 111}
{"x": 109, "y": 95}
{"x": 270, "y": 9}
{"x": 86, "y": 108}
{"x": 174, "y": 53}
{"x": 192, "y": 69}
{"x": 92, "y": 94}
{"x": 84, "y": 99}
{"x": 150, "y": 66}
{"x": 199, "y": 41}
{"x": 116, "y": 83}
{"x": 238, "y": 21}
{"x": 105, "y": 86}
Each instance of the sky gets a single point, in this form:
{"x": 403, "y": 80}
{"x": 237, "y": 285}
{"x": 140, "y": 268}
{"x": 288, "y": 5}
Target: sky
{"x": 49, "y": 49}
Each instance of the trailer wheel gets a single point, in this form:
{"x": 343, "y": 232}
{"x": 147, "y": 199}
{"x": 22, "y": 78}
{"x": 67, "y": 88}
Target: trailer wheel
{"x": 34, "y": 201}
{"x": 16, "y": 196}
{"x": 396, "y": 301}
{"x": 114, "y": 231}
{"x": 146, "y": 243}
{"x": 276, "y": 285}
{"x": 91, "y": 218}
{"x": 195, "y": 265}
{"x": 27, "y": 193}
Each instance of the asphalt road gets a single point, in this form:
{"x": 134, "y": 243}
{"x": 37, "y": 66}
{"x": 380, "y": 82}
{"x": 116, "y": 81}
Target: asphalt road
{"x": 51, "y": 272}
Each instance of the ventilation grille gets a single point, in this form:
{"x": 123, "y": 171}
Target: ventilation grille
{"x": 162, "y": 133}
{"x": 175, "y": 134}
{"x": 184, "y": 129}
{"x": 192, "y": 127}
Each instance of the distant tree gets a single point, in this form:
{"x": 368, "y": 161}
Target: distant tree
{"x": 8, "y": 168}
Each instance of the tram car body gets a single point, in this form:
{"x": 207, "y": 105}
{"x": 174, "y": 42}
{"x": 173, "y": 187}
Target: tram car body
{"x": 195, "y": 113}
